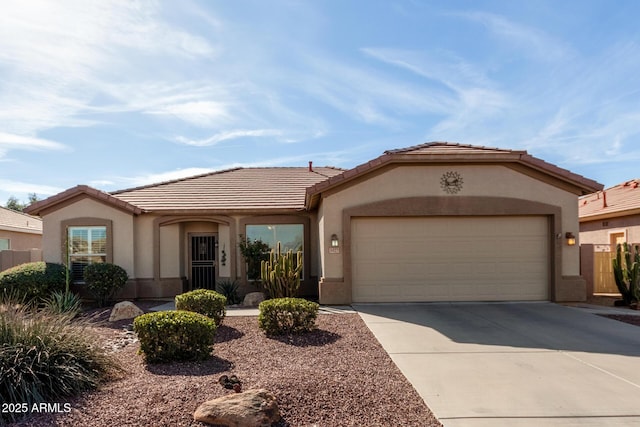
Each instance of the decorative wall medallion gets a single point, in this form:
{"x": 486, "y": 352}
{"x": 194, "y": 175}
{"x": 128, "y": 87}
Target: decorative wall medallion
{"x": 451, "y": 182}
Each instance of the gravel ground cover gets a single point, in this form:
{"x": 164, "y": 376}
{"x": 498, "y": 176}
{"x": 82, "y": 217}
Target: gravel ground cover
{"x": 626, "y": 318}
{"x": 338, "y": 375}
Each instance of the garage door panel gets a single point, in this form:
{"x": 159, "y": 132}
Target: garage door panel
{"x": 450, "y": 259}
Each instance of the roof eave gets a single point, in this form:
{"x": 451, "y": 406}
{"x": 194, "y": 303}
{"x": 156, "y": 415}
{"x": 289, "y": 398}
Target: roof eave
{"x": 50, "y": 203}
{"x": 609, "y": 215}
{"x": 20, "y": 229}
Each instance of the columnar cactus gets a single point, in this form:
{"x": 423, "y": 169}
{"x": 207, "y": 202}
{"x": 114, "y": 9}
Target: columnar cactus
{"x": 281, "y": 273}
{"x": 627, "y": 275}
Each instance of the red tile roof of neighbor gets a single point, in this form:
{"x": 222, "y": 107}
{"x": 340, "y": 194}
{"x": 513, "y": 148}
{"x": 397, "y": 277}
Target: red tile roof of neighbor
{"x": 620, "y": 200}
{"x": 17, "y": 221}
{"x": 448, "y": 152}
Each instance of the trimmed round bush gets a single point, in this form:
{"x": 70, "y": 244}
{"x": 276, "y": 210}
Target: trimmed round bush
{"x": 46, "y": 357}
{"x": 173, "y": 335}
{"x": 281, "y": 316}
{"x": 104, "y": 280}
{"x": 203, "y": 301}
{"x": 33, "y": 280}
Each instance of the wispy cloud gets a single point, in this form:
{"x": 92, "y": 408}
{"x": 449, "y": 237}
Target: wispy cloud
{"x": 227, "y": 135}
{"x": 199, "y": 113}
{"x": 471, "y": 96}
{"x": 12, "y": 141}
{"x": 528, "y": 40}
{"x": 17, "y": 188}
{"x": 60, "y": 57}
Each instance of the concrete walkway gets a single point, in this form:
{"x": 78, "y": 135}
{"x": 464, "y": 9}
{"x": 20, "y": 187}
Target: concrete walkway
{"x": 514, "y": 364}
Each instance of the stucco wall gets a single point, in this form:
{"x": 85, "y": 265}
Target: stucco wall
{"x": 22, "y": 241}
{"x": 123, "y": 231}
{"x": 598, "y": 232}
{"x": 421, "y": 181}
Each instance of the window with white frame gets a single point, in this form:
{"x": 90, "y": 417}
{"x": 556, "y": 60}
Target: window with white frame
{"x": 5, "y": 244}
{"x": 290, "y": 236}
{"x": 87, "y": 245}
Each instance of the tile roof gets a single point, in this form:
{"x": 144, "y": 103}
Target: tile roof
{"x": 449, "y": 148}
{"x": 620, "y": 200}
{"x": 446, "y": 152}
{"x": 16, "y": 221}
{"x": 237, "y": 189}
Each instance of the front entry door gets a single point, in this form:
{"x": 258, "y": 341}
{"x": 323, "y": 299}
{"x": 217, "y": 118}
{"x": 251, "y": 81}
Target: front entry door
{"x": 203, "y": 261}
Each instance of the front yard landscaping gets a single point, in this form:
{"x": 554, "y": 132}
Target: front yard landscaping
{"x": 337, "y": 375}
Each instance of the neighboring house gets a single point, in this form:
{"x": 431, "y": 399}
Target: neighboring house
{"x": 20, "y": 238}
{"x": 611, "y": 216}
{"x": 433, "y": 222}
{"x": 19, "y": 231}
{"x": 607, "y": 218}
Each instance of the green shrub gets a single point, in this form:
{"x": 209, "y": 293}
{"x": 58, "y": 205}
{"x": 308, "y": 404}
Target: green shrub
{"x": 203, "y": 301}
{"x": 167, "y": 336}
{"x": 103, "y": 280}
{"x": 287, "y": 316}
{"x": 63, "y": 303}
{"x": 33, "y": 280}
{"x": 46, "y": 357}
{"x": 229, "y": 288}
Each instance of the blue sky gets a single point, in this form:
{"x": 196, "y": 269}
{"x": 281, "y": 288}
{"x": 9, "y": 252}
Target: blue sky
{"x": 116, "y": 94}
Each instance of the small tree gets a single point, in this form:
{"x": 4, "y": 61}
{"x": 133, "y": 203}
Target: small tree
{"x": 253, "y": 252}
{"x": 14, "y": 204}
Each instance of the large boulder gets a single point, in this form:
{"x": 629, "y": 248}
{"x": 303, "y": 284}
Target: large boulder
{"x": 124, "y": 310}
{"x": 253, "y": 299}
{"x": 252, "y": 408}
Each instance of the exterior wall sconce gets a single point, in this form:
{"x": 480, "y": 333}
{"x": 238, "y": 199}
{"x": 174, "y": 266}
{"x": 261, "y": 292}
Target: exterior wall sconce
{"x": 571, "y": 239}
{"x": 335, "y": 243}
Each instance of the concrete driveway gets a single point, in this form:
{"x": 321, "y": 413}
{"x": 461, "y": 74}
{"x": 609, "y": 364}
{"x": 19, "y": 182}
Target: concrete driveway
{"x": 513, "y": 364}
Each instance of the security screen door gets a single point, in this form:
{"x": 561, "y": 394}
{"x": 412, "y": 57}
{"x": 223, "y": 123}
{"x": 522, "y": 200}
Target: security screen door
{"x": 203, "y": 261}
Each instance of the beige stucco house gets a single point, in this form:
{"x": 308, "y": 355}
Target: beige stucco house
{"x": 433, "y": 222}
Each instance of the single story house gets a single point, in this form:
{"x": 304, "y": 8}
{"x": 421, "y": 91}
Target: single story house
{"x": 432, "y": 222}
{"x": 20, "y": 238}
{"x": 19, "y": 231}
{"x": 607, "y": 217}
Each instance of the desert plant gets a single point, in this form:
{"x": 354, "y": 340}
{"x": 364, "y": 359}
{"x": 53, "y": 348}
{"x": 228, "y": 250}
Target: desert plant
{"x": 33, "y": 280}
{"x": 626, "y": 272}
{"x": 167, "y": 336}
{"x": 253, "y": 252}
{"x": 103, "y": 280}
{"x": 204, "y": 301}
{"x": 46, "y": 357}
{"x": 280, "y": 274}
{"x": 287, "y": 316}
{"x": 229, "y": 288}
{"x": 63, "y": 303}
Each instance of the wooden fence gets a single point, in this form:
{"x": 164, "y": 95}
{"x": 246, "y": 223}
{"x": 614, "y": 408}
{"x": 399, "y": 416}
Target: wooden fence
{"x": 597, "y": 268}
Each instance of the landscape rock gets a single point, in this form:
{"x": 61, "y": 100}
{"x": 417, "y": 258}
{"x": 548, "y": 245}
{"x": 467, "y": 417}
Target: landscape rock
{"x": 252, "y": 408}
{"x": 124, "y": 310}
{"x": 253, "y": 299}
